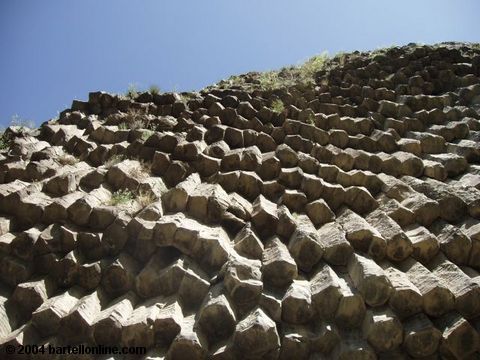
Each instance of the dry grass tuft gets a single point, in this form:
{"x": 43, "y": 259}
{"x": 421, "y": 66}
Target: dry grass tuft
{"x": 142, "y": 170}
{"x": 145, "y": 198}
{"x": 135, "y": 119}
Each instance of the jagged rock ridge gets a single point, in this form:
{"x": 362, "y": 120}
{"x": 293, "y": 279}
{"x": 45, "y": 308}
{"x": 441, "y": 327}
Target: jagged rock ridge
{"x": 334, "y": 220}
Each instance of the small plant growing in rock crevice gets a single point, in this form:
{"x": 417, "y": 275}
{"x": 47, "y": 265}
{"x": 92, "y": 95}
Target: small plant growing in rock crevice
{"x": 312, "y": 65}
{"x": 19, "y": 126}
{"x": 141, "y": 171}
{"x": 154, "y": 90}
{"x": 132, "y": 92}
{"x": 146, "y": 134}
{"x": 4, "y": 141}
{"x": 139, "y": 124}
{"x": 278, "y": 106}
{"x": 310, "y": 119}
{"x": 121, "y": 197}
{"x": 135, "y": 119}
{"x": 124, "y": 196}
{"x": 269, "y": 80}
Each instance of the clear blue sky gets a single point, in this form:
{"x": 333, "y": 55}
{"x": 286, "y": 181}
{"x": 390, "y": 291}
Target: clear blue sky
{"x": 53, "y": 51}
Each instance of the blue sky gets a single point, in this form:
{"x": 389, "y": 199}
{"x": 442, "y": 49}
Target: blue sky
{"x": 53, "y": 51}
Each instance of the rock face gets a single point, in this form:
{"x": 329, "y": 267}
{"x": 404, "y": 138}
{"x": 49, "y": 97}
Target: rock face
{"x": 339, "y": 220}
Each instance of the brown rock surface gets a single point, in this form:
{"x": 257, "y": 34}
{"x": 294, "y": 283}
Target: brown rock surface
{"x": 336, "y": 219}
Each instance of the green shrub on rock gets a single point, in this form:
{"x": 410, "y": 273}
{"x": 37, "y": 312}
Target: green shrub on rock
{"x": 121, "y": 197}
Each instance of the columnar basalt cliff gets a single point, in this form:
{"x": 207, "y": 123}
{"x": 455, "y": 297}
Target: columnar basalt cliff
{"x": 331, "y": 219}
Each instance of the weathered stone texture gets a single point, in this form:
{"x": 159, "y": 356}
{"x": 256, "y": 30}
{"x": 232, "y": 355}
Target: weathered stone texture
{"x": 337, "y": 219}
